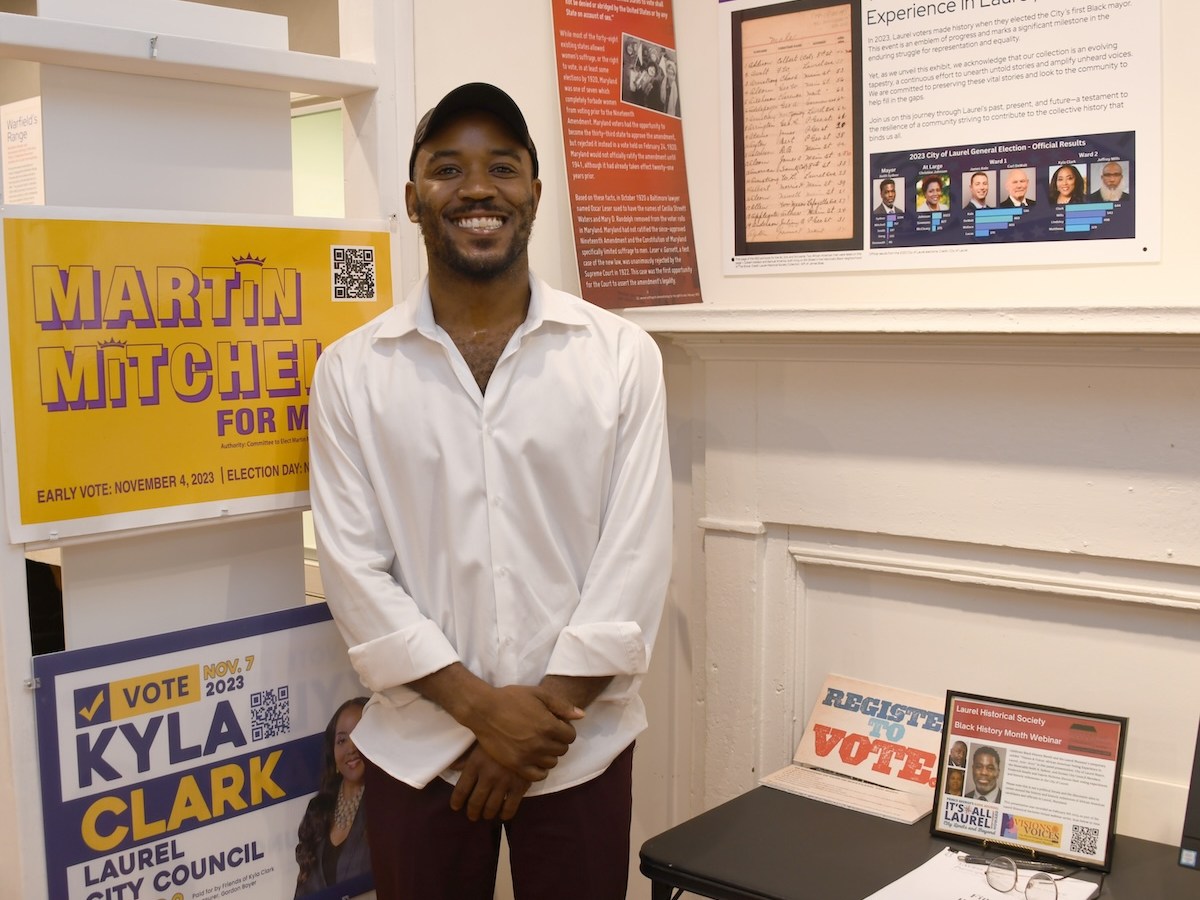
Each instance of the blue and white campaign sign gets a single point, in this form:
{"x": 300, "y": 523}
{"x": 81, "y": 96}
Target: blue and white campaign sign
{"x": 179, "y": 766}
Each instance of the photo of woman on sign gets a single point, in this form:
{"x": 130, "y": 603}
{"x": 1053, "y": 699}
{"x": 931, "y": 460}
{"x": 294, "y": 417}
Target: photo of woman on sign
{"x": 333, "y": 832}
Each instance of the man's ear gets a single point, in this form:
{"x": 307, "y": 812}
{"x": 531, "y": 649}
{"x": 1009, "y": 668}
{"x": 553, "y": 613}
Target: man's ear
{"x": 410, "y": 201}
{"x": 537, "y": 193}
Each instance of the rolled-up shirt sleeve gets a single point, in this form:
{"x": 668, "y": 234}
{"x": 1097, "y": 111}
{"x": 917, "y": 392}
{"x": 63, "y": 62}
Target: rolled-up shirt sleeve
{"x": 612, "y": 630}
{"x": 391, "y": 643}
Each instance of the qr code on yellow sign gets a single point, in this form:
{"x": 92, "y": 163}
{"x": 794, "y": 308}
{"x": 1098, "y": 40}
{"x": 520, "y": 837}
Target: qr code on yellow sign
{"x": 354, "y": 274}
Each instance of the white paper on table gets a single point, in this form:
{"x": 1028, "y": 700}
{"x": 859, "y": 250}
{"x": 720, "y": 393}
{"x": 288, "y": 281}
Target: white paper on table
{"x": 946, "y": 877}
{"x": 849, "y": 793}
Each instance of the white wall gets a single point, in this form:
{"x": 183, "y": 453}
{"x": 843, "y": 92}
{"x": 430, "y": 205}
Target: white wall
{"x": 1004, "y": 516}
{"x": 869, "y": 501}
{"x": 864, "y": 503}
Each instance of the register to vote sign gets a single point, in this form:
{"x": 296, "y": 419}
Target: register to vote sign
{"x": 179, "y": 766}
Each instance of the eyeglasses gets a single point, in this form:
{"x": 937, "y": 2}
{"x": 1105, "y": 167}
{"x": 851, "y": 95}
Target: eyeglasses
{"x": 1001, "y": 874}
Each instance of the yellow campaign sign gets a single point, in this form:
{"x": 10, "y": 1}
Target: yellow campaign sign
{"x": 165, "y": 367}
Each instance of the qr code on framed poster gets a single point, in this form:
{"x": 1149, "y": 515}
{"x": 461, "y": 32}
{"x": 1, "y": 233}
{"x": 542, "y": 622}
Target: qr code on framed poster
{"x": 354, "y": 274}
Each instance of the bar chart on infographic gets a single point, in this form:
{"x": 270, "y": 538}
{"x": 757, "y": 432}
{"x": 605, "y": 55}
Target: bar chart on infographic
{"x": 1063, "y": 188}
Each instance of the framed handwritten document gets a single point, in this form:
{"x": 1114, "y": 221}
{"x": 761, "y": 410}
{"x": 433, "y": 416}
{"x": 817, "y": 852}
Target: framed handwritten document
{"x": 797, "y": 122}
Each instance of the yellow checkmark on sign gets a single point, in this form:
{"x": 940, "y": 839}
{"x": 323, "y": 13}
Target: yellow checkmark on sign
{"x": 90, "y": 711}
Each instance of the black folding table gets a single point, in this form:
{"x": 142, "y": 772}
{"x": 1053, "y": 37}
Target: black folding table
{"x": 771, "y": 845}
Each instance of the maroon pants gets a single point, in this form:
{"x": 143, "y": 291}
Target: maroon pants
{"x": 571, "y": 843}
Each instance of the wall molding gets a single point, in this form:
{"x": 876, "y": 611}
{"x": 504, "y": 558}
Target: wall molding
{"x": 732, "y": 526}
{"x": 1065, "y": 574}
{"x": 1155, "y": 351}
{"x": 1131, "y": 320}
{"x": 1146, "y": 582}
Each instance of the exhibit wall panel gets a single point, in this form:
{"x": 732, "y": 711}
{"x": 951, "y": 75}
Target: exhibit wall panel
{"x": 485, "y": 42}
{"x": 984, "y": 296}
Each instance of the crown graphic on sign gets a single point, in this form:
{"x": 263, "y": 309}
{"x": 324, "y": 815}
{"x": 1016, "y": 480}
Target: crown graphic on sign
{"x": 249, "y": 260}
{"x": 112, "y": 342}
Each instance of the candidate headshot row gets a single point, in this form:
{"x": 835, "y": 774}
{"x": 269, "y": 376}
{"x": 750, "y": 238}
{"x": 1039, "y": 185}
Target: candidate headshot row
{"x": 1008, "y": 188}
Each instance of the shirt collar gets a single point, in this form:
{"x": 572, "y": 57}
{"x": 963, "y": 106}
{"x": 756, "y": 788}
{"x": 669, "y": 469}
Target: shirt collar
{"x": 416, "y": 312}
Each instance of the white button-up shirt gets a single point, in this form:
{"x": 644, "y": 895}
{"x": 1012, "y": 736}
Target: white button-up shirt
{"x": 521, "y": 532}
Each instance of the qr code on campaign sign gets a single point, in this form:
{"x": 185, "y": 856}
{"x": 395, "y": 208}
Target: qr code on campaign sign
{"x": 270, "y": 713}
{"x": 354, "y": 274}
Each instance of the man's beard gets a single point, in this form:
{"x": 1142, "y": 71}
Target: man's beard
{"x": 1107, "y": 193}
{"x": 439, "y": 245}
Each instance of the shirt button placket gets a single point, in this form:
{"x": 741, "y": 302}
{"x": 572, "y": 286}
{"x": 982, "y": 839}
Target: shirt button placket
{"x": 500, "y": 574}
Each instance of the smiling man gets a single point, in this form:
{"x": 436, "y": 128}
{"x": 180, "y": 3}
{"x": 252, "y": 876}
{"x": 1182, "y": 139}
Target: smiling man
{"x": 979, "y": 185}
{"x": 1017, "y": 184}
{"x": 887, "y": 199}
{"x": 491, "y": 489}
{"x": 985, "y": 775}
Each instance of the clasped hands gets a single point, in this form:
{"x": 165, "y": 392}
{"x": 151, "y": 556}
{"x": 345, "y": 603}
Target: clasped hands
{"x": 520, "y": 733}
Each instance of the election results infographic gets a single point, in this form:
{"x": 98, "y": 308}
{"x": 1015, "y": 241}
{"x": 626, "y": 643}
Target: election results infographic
{"x": 892, "y": 134}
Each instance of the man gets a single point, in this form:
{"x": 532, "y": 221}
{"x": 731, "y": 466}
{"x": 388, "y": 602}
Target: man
{"x": 1017, "y": 183}
{"x": 491, "y": 489}
{"x": 958, "y": 755}
{"x": 979, "y": 187}
{"x": 1110, "y": 190}
{"x": 985, "y": 775}
{"x": 887, "y": 196}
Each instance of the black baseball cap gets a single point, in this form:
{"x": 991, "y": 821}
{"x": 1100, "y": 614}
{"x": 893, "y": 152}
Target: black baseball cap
{"x": 476, "y": 95}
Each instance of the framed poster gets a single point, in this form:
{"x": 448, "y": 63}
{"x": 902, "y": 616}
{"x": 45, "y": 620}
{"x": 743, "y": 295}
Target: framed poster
{"x": 1034, "y": 780}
